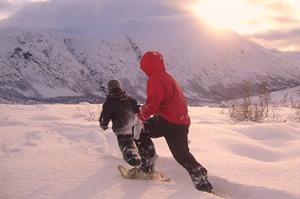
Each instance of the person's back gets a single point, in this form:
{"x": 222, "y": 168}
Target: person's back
{"x": 164, "y": 95}
{"x": 173, "y": 106}
{"x": 120, "y": 109}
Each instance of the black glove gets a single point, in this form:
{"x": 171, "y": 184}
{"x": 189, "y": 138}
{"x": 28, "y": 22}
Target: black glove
{"x": 103, "y": 127}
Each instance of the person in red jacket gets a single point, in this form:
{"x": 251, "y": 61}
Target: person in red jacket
{"x": 165, "y": 114}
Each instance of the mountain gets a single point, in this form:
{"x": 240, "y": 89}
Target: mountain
{"x": 293, "y": 57}
{"x": 209, "y": 64}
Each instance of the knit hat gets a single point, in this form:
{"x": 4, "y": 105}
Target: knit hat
{"x": 112, "y": 84}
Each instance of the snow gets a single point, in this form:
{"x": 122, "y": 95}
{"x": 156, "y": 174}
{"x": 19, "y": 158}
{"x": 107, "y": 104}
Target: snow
{"x": 50, "y": 151}
{"x": 53, "y": 92}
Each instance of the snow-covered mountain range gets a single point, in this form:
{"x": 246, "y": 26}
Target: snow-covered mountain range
{"x": 209, "y": 64}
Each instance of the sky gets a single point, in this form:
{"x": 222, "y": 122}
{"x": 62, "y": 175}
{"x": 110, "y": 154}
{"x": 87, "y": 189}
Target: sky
{"x": 275, "y": 24}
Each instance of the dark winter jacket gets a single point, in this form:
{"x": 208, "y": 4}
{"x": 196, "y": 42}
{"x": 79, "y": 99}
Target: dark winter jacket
{"x": 120, "y": 109}
{"x": 164, "y": 95}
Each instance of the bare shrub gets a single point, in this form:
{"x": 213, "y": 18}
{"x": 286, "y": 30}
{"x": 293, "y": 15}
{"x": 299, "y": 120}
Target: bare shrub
{"x": 88, "y": 112}
{"x": 275, "y": 110}
{"x": 295, "y": 103}
{"x": 250, "y": 105}
{"x": 296, "y": 116}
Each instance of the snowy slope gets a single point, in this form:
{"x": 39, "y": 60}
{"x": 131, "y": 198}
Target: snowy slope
{"x": 209, "y": 64}
{"x": 50, "y": 152}
{"x": 37, "y": 65}
{"x": 109, "y": 56}
{"x": 293, "y": 57}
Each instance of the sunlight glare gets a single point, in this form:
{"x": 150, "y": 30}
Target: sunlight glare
{"x": 226, "y": 14}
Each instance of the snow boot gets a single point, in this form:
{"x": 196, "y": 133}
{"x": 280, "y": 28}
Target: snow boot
{"x": 204, "y": 186}
{"x": 148, "y": 164}
{"x": 199, "y": 178}
{"x": 133, "y": 161}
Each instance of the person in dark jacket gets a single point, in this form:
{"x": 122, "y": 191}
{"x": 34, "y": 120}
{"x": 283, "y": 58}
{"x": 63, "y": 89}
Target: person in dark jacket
{"x": 165, "y": 114}
{"x": 121, "y": 109}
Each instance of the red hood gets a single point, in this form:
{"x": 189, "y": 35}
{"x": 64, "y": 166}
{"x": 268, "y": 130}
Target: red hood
{"x": 152, "y": 61}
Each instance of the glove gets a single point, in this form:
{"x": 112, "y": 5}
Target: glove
{"x": 103, "y": 127}
{"x": 137, "y": 128}
{"x": 140, "y": 116}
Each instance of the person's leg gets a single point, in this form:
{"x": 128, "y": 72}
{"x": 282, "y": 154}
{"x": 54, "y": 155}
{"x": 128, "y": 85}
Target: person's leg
{"x": 157, "y": 127}
{"x": 183, "y": 156}
{"x": 176, "y": 137}
{"x": 145, "y": 145}
{"x": 128, "y": 149}
{"x": 177, "y": 140}
{"x": 178, "y": 144}
{"x": 147, "y": 152}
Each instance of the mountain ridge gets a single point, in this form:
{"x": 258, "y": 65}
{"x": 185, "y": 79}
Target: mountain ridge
{"x": 49, "y": 66}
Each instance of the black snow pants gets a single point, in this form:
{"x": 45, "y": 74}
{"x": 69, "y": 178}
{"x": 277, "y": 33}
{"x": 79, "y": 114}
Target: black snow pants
{"x": 176, "y": 136}
{"x": 145, "y": 148}
{"x": 128, "y": 149}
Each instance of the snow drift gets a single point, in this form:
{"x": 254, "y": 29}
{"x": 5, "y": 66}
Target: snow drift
{"x": 49, "y": 151}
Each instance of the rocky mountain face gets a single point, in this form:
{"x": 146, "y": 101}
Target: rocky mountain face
{"x": 210, "y": 66}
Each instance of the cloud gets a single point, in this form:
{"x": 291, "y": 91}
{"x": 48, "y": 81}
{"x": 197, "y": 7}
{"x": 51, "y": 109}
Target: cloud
{"x": 85, "y": 16}
{"x": 277, "y": 26}
{"x": 7, "y": 8}
{"x": 277, "y": 20}
{"x": 10, "y": 7}
{"x": 278, "y": 34}
{"x": 286, "y": 19}
{"x": 281, "y": 7}
{"x": 288, "y": 40}
{"x": 43, "y": 15}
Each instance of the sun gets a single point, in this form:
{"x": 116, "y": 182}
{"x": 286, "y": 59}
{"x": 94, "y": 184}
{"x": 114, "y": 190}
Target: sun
{"x": 225, "y": 14}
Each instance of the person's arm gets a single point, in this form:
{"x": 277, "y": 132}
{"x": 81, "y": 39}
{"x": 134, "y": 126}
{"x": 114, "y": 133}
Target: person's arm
{"x": 105, "y": 117}
{"x": 155, "y": 95}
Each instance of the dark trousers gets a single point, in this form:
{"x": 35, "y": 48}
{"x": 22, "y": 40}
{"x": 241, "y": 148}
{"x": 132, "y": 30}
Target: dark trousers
{"x": 177, "y": 139}
{"x": 147, "y": 152}
{"x": 128, "y": 149}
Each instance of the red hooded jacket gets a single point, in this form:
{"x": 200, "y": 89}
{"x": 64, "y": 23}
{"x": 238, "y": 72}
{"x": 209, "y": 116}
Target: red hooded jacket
{"x": 164, "y": 95}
